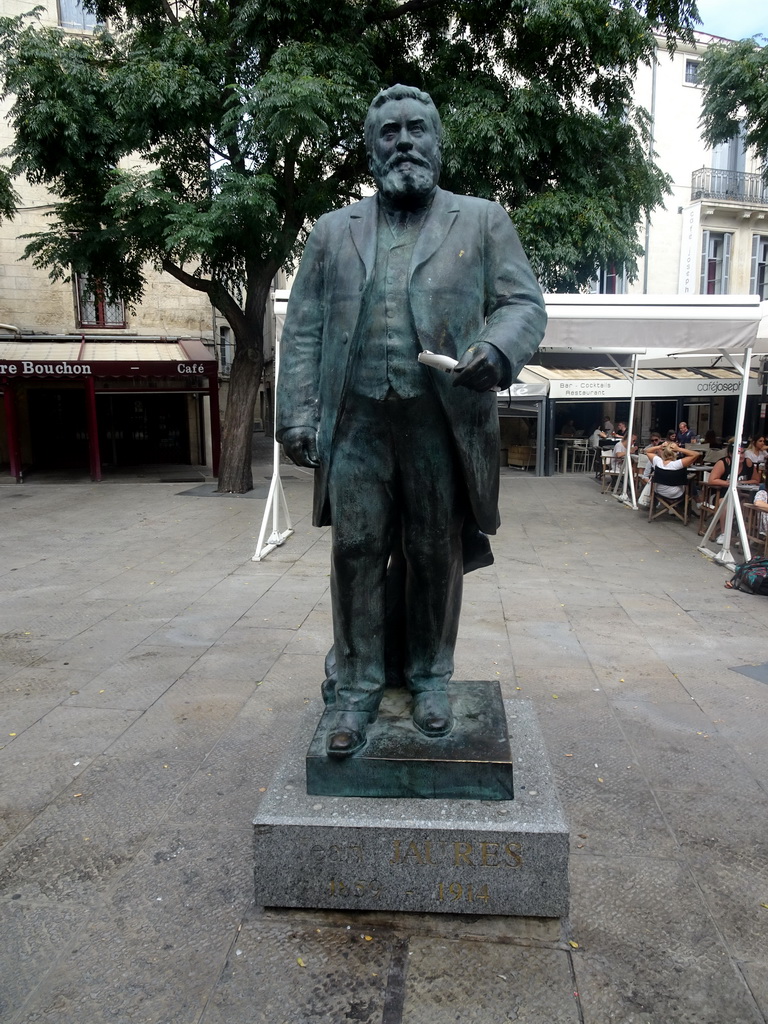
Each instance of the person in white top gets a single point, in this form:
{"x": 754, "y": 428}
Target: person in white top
{"x": 755, "y": 454}
{"x": 670, "y": 456}
{"x": 761, "y": 501}
{"x": 620, "y": 450}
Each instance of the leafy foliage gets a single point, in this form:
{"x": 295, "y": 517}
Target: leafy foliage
{"x": 735, "y": 80}
{"x": 202, "y": 136}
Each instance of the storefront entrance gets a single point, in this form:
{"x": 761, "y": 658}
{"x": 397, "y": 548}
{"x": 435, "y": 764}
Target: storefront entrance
{"x": 77, "y": 405}
{"x": 143, "y": 429}
{"x": 58, "y": 428}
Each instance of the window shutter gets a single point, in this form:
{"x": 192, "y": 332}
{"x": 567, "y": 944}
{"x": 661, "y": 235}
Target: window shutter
{"x": 727, "y": 239}
{"x": 704, "y": 258}
{"x": 753, "y": 283}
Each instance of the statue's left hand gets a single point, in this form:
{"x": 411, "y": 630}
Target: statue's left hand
{"x": 480, "y": 368}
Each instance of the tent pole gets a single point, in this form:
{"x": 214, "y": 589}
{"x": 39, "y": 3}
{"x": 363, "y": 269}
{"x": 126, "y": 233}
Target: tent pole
{"x": 627, "y": 475}
{"x": 732, "y": 505}
{"x": 276, "y": 503}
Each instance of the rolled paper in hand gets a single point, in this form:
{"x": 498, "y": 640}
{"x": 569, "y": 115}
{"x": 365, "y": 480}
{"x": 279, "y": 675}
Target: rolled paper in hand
{"x": 445, "y": 363}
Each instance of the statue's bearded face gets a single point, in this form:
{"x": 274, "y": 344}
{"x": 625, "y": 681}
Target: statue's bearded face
{"x": 405, "y": 155}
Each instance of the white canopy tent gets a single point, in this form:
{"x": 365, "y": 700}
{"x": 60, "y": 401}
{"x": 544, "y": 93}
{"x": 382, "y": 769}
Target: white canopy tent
{"x": 650, "y": 326}
{"x": 643, "y": 326}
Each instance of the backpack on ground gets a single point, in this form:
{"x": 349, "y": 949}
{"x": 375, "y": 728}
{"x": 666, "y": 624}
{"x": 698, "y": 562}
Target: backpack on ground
{"x": 752, "y": 576}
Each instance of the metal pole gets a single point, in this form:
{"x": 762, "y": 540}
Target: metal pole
{"x": 12, "y": 432}
{"x": 276, "y": 498}
{"x": 732, "y": 505}
{"x": 93, "y": 429}
{"x": 628, "y": 476}
{"x": 215, "y": 415}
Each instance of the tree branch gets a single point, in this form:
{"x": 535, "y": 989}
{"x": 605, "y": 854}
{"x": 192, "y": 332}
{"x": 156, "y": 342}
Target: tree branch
{"x": 216, "y": 292}
{"x": 170, "y": 12}
{"x": 213, "y": 149}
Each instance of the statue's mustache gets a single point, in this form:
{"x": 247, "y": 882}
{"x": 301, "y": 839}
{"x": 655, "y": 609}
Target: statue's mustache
{"x": 406, "y": 158}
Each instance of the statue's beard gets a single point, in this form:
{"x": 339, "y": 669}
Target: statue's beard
{"x": 405, "y": 180}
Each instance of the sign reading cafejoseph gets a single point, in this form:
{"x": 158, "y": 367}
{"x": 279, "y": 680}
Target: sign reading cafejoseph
{"x": 684, "y": 387}
{"x": 30, "y": 368}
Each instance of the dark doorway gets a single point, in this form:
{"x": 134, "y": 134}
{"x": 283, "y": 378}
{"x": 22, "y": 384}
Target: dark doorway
{"x": 143, "y": 429}
{"x": 58, "y": 428}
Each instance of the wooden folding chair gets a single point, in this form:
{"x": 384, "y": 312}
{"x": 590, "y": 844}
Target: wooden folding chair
{"x": 709, "y": 504}
{"x": 755, "y": 520}
{"x": 660, "y": 505}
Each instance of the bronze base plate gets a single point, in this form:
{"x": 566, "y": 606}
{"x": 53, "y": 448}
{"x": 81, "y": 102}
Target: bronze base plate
{"x": 474, "y": 762}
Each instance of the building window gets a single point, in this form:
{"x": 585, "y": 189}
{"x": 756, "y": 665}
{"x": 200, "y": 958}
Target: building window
{"x": 73, "y": 15}
{"x": 612, "y": 280}
{"x": 715, "y": 262}
{"x": 226, "y": 349}
{"x": 758, "y": 279}
{"x": 95, "y": 306}
{"x": 692, "y": 72}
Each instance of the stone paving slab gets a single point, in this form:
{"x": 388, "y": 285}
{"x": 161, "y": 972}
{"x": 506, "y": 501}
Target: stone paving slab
{"x": 649, "y": 950}
{"x": 129, "y": 902}
{"x": 151, "y": 952}
{"x": 282, "y": 974}
{"x": 31, "y": 942}
{"x": 476, "y": 983}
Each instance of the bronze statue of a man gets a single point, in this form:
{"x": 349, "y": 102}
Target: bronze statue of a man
{"x": 406, "y": 457}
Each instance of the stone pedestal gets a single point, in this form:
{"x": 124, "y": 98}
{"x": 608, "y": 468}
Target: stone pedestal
{"x": 434, "y": 856}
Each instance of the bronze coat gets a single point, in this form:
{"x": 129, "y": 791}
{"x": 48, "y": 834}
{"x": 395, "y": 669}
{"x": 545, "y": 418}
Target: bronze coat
{"x": 469, "y": 281}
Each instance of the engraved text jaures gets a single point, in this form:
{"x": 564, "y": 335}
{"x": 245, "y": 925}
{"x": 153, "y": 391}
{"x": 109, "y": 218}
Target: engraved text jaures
{"x": 457, "y": 854}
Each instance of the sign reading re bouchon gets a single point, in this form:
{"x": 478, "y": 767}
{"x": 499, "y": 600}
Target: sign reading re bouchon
{"x": 28, "y": 368}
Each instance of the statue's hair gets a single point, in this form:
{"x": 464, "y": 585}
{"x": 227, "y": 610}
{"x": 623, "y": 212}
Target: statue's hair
{"x": 401, "y": 92}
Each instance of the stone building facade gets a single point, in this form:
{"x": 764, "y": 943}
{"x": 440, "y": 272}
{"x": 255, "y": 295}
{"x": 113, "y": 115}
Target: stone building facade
{"x": 711, "y": 235}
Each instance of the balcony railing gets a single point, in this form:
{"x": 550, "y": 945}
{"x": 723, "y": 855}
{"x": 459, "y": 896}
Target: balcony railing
{"x": 711, "y": 183}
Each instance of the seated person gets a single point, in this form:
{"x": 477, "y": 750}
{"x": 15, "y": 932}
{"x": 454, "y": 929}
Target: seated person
{"x": 669, "y": 458}
{"x": 761, "y": 502}
{"x": 595, "y": 438}
{"x": 648, "y": 467}
{"x": 755, "y": 454}
{"x": 684, "y": 434}
{"x": 710, "y": 438}
{"x": 721, "y": 471}
{"x": 620, "y": 450}
{"x": 720, "y": 477}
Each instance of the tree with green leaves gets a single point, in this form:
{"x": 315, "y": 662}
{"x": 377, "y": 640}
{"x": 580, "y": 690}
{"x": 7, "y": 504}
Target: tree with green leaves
{"x": 735, "y": 81}
{"x": 203, "y": 137}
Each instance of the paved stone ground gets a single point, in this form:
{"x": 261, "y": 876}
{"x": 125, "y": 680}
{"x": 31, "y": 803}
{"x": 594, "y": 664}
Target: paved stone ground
{"x": 150, "y": 673}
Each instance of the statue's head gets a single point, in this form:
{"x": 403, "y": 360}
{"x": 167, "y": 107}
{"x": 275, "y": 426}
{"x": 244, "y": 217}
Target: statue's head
{"x": 403, "y": 140}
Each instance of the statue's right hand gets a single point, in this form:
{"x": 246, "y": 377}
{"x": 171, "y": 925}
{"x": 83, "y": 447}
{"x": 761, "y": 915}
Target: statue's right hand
{"x": 300, "y": 445}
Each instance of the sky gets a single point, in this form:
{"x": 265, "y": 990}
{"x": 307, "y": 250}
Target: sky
{"x": 733, "y": 19}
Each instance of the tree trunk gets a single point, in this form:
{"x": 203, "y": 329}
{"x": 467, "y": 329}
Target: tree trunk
{"x": 235, "y": 475}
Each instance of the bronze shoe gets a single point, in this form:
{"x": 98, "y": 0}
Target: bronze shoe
{"x": 432, "y": 713}
{"x": 347, "y": 734}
